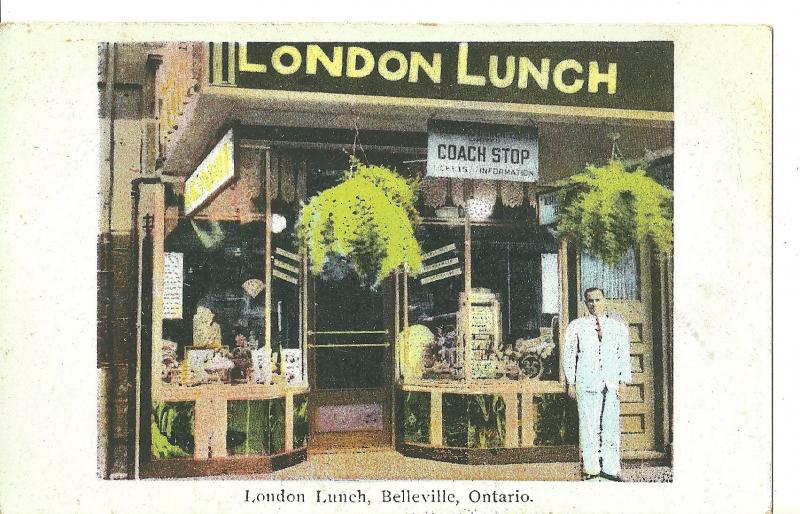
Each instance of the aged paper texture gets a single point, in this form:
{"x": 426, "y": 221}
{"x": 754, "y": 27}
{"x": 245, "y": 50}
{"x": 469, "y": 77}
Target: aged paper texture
{"x": 704, "y": 414}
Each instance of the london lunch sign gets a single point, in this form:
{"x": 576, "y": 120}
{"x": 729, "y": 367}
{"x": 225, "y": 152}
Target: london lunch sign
{"x": 607, "y": 75}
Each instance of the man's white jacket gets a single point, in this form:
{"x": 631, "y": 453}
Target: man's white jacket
{"x": 589, "y": 363}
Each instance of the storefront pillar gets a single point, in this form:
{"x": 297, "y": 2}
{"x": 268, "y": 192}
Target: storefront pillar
{"x": 528, "y": 419}
{"x": 512, "y": 420}
{"x": 436, "y": 419}
{"x": 210, "y": 427}
{"x": 148, "y": 223}
{"x": 288, "y": 427}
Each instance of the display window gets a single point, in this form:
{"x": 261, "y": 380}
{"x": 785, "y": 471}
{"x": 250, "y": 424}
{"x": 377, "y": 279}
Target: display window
{"x": 485, "y": 305}
{"x": 233, "y": 282}
{"x": 511, "y": 332}
{"x": 433, "y": 350}
{"x": 221, "y": 332}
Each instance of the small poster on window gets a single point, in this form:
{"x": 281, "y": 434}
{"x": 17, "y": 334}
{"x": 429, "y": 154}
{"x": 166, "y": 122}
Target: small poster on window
{"x": 173, "y": 285}
{"x": 293, "y": 366}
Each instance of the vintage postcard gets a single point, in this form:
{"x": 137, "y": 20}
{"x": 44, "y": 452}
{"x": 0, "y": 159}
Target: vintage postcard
{"x": 422, "y": 268}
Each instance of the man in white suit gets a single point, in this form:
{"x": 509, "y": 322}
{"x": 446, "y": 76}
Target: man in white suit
{"x": 596, "y": 362}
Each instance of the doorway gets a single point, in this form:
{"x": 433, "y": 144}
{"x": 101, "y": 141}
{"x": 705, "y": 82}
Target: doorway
{"x": 350, "y": 367}
{"x": 350, "y": 343}
{"x": 628, "y": 286}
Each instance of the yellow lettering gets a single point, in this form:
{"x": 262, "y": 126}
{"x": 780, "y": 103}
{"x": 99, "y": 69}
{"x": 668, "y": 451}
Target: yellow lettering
{"x": 217, "y": 168}
{"x": 190, "y": 195}
{"x": 540, "y": 75}
{"x": 383, "y": 62}
{"x": 432, "y": 70}
{"x": 353, "y": 53}
{"x": 333, "y": 65}
{"x": 245, "y": 65}
{"x": 463, "y": 64}
{"x": 595, "y": 77}
{"x": 286, "y": 69}
{"x": 205, "y": 179}
{"x": 493, "y": 76}
{"x": 558, "y": 76}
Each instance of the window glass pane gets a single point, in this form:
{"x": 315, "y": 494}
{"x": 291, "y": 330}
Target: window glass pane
{"x": 350, "y": 367}
{"x": 286, "y": 265}
{"x": 431, "y": 346}
{"x": 507, "y": 287}
{"x": 620, "y": 281}
{"x": 343, "y": 302}
{"x": 256, "y": 427}
{"x": 223, "y": 302}
{"x": 172, "y": 430}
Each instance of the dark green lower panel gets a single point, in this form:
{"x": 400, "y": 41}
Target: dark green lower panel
{"x": 300, "y": 439}
{"x": 256, "y": 427}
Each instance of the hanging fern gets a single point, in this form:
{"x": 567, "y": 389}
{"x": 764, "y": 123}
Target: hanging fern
{"x": 609, "y": 209}
{"x": 368, "y": 219}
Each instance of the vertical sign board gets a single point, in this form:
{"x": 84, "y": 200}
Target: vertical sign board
{"x": 548, "y": 208}
{"x": 482, "y": 151}
{"x": 173, "y": 285}
{"x": 551, "y": 289}
{"x": 213, "y": 174}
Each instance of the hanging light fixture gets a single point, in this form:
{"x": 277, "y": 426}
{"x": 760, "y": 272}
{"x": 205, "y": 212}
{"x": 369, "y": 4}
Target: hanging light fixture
{"x": 278, "y": 223}
{"x": 480, "y": 204}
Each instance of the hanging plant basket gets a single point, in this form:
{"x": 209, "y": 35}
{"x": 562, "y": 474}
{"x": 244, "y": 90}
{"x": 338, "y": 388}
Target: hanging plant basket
{"x": 608, "y": 209}
{"x": 368, "y": 219}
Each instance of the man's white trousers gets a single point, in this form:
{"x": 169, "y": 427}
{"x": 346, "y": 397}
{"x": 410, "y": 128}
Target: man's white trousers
{"x": 599, "y": 431}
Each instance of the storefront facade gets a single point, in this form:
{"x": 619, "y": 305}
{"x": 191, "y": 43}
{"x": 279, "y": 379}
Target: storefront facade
{"x": 248, "y": 362}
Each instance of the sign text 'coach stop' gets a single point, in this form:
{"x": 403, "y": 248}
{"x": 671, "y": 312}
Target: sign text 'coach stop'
{"x": 482, "y": 151}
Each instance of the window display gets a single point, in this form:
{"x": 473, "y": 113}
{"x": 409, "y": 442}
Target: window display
{"x": 506, "y": 328}
{"x": 433, "y": 351}
{"x": 222, "y": 302}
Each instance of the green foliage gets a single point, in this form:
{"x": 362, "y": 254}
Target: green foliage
{"x": 255, "y": 427}
{"x": 474, "y": 420}
{"x": 487, "y": 421}
{"x": 609, "y": 209}
{"x": 455, "y": 420}
{"x": 556, "y": 420}
{"x": 172, "y": 430}
{"x": 417, "y": 417}
{"x": 300, "y": 421}
{"x": 369, "y": 218}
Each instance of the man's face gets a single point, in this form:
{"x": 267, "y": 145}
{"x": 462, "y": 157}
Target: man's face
{"x": 595, "y": 302}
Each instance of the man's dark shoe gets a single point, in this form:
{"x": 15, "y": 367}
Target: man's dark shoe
{"x": 613, "y": 478}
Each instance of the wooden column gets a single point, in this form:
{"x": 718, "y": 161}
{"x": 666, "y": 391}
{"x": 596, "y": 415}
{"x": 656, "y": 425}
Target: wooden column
{"x": 528, "y": 421}
{"x": 512, "y": 420}
{"x": 563, "y": 316}
{"x": 288, "y": 429}
{"x": 267, "y": 251}
{"x": 210, "y": 427}
{"x": 436, "y": 418}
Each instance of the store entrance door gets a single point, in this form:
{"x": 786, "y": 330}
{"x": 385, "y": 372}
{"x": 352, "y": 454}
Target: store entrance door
{"x": 639, "y": 402}
{"x": 350, "y": 365}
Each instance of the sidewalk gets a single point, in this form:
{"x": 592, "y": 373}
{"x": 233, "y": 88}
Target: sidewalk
{"x": 391, "y": 465}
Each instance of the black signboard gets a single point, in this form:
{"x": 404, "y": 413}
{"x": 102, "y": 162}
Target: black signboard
{"x": 621, "y": 75}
